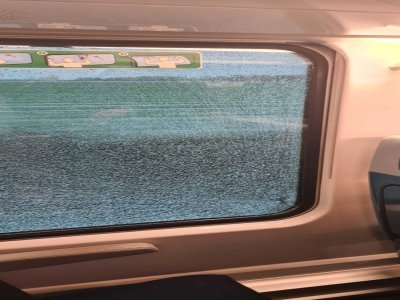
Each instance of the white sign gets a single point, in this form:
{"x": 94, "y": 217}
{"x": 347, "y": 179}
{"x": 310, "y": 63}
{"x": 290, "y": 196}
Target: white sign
{"x": 79, "y": 60}
{"x": 15, "y": 58}
{"x": 164, "y": 62}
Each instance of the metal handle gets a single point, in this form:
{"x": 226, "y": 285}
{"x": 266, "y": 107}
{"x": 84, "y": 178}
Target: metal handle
{"x": 42, "y": 258}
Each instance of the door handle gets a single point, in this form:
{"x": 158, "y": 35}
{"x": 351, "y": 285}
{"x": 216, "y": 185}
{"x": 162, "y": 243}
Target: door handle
{"x": 43, "y": 258}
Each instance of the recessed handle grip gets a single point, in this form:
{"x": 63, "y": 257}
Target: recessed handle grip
{"x": 43, "y": 258}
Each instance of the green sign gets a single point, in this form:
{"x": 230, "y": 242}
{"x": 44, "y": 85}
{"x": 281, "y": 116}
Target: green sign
{"x": 99, "y": 59}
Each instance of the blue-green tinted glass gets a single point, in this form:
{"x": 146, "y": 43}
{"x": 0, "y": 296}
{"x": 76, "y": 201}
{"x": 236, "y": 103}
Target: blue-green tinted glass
{"x": 83, "y": 147}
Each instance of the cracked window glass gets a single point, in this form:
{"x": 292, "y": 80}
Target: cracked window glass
{"x": 87, "y": 146}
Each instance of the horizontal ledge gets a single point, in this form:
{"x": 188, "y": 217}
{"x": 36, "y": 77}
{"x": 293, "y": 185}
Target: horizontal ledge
{"x": 338, "y": 271}
{"x": 42, "y": 258}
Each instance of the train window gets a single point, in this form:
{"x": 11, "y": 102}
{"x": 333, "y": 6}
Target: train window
{"x": 108, "y": 139}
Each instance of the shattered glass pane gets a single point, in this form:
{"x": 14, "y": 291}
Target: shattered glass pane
{"x": 98, "y": 147}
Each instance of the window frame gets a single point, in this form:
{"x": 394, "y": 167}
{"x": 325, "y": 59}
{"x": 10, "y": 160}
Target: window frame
{"x": 312, "y": 144}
